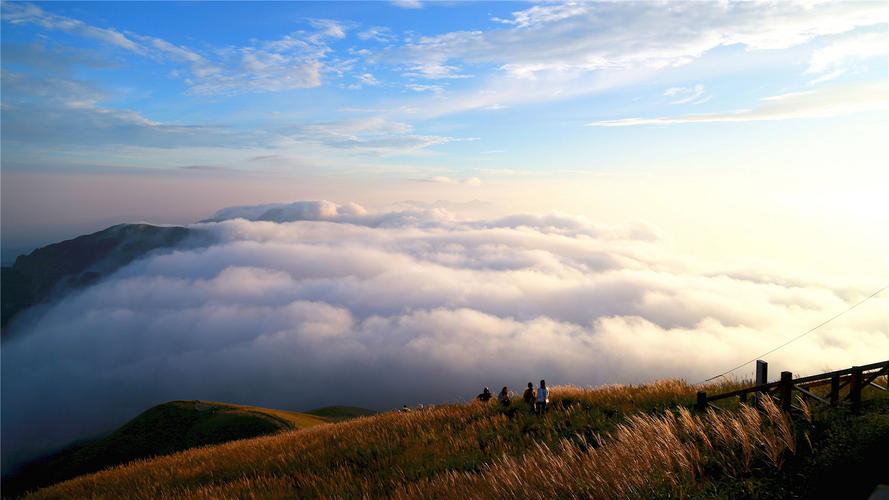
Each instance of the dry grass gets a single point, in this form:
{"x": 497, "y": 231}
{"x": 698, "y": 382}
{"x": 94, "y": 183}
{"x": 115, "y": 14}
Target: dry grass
{"x": 290, "y": 419}
{"x": 646, "y": 456}
{"x": 463, "y": 448}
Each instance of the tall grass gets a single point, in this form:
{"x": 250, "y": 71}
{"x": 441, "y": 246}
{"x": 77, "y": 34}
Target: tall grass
{"x": 384, "y": 454}
{"x": 647, "y": 456}
{"x": 607, "y": 442}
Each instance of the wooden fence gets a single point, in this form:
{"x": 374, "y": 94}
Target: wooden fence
{"x": 855, "y": 378}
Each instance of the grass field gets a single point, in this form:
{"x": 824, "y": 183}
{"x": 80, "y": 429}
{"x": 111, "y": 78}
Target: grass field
{"x": 161, "y": 430}
{"x": 607, "y": 442}
{"x": 341, "y": 413}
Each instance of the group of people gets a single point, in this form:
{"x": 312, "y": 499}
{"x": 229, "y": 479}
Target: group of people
{"x": 536, "y": 399}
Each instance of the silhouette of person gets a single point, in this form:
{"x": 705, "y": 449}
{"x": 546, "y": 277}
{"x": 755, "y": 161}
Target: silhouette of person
{"x": 504, "y": 397}
{"x": 485, "y": 396}
{"x": 542, "y": 398}
{"x": 530, "y": 396}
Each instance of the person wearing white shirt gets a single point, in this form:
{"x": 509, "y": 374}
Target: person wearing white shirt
{"x": 542, "y": 398}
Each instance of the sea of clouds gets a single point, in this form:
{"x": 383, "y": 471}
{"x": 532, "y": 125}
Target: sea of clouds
{"x": 311, "y": 304}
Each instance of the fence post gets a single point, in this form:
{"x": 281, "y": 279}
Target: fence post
{"x": 762, "y": 376}
{"x": 786, "y": 389}
{"x": 855, "y": 389}
{"x": 834, "y": 390}
{"x": 701, "y": 403}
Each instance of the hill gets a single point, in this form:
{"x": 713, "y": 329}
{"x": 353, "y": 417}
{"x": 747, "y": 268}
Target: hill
{"x": 54, "y": 269}
{"x": 609, "y": 442}
{"x": 161, "y": 430}
{"x": 340, "y": 413}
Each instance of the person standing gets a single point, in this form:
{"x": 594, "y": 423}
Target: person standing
{"x": 542, "y": 398}
{"x": 485, "y": 396}
{"x": 530, "y": 397}
{"x": 504, "y": 397}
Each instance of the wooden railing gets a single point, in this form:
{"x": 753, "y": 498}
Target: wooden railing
{"x": 856, "y": 378}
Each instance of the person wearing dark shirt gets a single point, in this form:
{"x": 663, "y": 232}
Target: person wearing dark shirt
{"x": 485, "y": 396}
{"x": 504, "y": 397}
{"x": 530, "y": 397}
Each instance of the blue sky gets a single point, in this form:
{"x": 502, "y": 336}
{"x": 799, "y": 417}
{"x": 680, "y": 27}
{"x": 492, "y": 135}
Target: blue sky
{"x": 378, "y": 102}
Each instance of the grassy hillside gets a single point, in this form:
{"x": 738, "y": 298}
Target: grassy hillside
{"x": 609, "y": 442}
{"x": 161, "y": 430}
{"x": 341, "y": 413}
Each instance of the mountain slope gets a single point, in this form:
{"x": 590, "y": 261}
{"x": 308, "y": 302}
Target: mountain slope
{"x": 610, "y": 442}
{"x": 161, "y": 430}
{"x": 340, "y": 413}
{"x": 79, "y": 262}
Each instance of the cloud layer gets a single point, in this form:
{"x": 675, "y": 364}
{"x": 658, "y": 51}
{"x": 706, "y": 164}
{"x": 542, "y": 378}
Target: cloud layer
{"x": 835, "y": 101}
{"x": 331, "y": 304}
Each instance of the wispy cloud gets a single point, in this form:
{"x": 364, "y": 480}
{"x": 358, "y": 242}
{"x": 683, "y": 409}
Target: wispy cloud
{"x": 24, "y": 13}
{"x": 416, "y": 87}
{"x": 554, "y": 51}
{"x": 60, "y": 111}
{"x": 376, "y": 136}
{"x": 432, "y": 71}
{"x": 294, "y": 61}
{"x": 813, "y": 104}
{"x": 826, "y": 77}
{"x": 687, "y": 95}
{"x": 408, "y": 4}
{"x": 365, "y": 80}
{"x": 832, "y": 61}
{"x": 443, "y": 179}
{"x": 378, "y": 34}
{"x": 329, "y": 27}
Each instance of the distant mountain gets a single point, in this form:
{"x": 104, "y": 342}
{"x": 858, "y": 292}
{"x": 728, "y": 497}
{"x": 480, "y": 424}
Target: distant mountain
{"x": 161, "y": 430}
{"x": 54, "y": 269}
{"x": 291, "y": 212}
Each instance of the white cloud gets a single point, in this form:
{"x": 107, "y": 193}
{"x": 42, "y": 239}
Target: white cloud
{"x": 832, "y": 61}
{"x": 554, "y": 51}
{"x": 812, "y": 104}
{"x": 377, "y": 33}
{"x": 431, "y": 71}
{"x": 59, "y": 111}
{"x": 686, "y": 95}
{"x": 376, "y": 135}
{"x": 382, "y": 308}
{"x": 416, "y": 87}
{"x": 368, "y": 79}
{"x": 602, "y": 35}
{"x": 23, "y": 13}
{"x": 408, "y": 4}
{"x": 295, "y": 61}
{"x": 826, "y": 77}
{"x": 329, "y": 27}
{"x": 442, "y": 179}
{"x": 200, "y": 66}
{"x": 541, "y": 14}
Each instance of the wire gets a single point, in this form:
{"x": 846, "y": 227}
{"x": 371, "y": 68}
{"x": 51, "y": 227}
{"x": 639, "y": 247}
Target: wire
{"x": 794, "y": 339}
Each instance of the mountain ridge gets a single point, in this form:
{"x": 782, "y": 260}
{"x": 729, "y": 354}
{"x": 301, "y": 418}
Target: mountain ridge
{"x": 52, "y": 270}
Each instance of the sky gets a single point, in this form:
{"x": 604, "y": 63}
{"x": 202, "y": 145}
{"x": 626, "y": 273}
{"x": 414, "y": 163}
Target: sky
{"x": 168, "y": 111}
{"x": 605, "y": 192}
